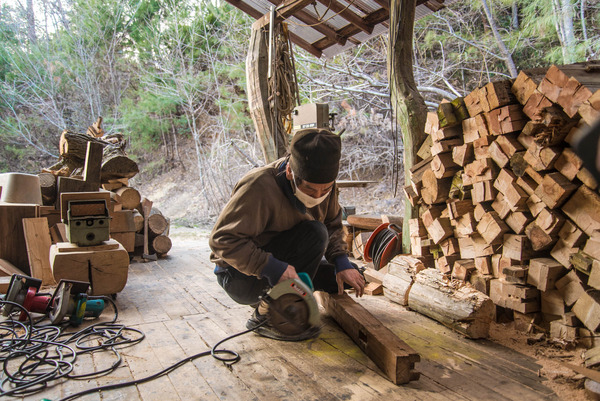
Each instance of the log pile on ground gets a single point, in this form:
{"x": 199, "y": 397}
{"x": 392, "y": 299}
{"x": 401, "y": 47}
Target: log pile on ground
{"x": 505, "y": 203}
{"x": 105, "y": 166}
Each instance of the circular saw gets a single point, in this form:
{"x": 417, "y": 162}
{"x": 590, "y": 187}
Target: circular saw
{"x": 292, "y": 307}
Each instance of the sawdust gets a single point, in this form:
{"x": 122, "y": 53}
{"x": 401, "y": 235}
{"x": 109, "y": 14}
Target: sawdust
{"x": 567, "y": 384}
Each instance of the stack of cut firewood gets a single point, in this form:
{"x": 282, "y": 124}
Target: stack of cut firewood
{"x": 506, "y": 204}
{"x": 94, "y": 161}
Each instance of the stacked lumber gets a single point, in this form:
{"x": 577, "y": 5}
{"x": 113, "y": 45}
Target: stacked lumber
{"x": 507, "y": 205}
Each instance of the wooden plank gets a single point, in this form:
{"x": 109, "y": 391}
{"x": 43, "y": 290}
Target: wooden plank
{"x": 12, "y": 245}
{"x": 93, "y": 164}
{"x": 392, "y": 355}
{"x": 37, "y": 238}
{"x": 8, "y": 269}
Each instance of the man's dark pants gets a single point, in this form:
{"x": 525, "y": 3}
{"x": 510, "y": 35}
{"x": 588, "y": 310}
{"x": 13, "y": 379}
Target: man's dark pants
{"x": 303, "y": 247}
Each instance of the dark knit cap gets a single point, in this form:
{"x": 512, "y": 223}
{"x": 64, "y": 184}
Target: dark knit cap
{"x": 315, "y": 155}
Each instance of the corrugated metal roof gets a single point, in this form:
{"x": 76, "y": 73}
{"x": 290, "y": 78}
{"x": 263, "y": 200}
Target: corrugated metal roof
{"x": 328, "y": 27}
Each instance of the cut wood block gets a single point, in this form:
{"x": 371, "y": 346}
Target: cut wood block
{"x": 444, "y": 146}
{"x": 517, "y": 247}
{"x": 527, "y": 184}
{"x": 500, "y": 262}
{"x": 509, "y": 144}
{"x": 516, "y": 274}
{"x": 518, "y": 221}
{"x": 568, "y": 164}
{"x": 463, "y": 154}
{"x": 58, "y": 233}
{"x": 122, "y": 221}
{"x": 416, "y": 171}
{"x": 37, "y": 238}
{"x": 481, "y": 282}
{"x": 590, "y": 109}
{"x": 443, "y": 166}
{"x": 535, "y": 205}
{"x": 492, "y": 228}
{"x": 498, "y": 94}
{"x": 435, "y": 190}
{"x": 450, "y": 246}
{"x": 570, "y": 287}
{"x": 392, "y": 355}
{"x": 413, "y": 193}
{"x": 581, "y": 261}
{"x": 459, "y": 307}
{"x": 373, "y": 289}
{"x": 365, "y": 221}
{"x": 506, "y": 120}
{"x": 432, "y": 124}
{"x": 592, "y": 247}
{"x": 535, "y": 104}
{"x": 562, "y": 252}
{"x": 500, "y": 206}
{"x": 518, "y": 297}
{"x": 540, "y": 240}
{"x": 462, "y": 269}
{"x": 481, "y": 209}
{"x": 533, "y": 174}
{"x": 424, "y": 151}
{"x": 375, "y": 276}
{"x": 594, "y": 279}
{"x": 483, "y": 248}
{"x": 515, "y": 197}
{"x": 466, "y": 247}
{"x": 541, "y": 159}
{"x": 446, "y": 133}
{"x": 447, "y": 116}
{"x": 583, "y": 208}
{"x": 498, "y": 155}
{"x": 544, "y": 272}
{"x": 457, "y": 208}
{"x": 465, "y": 225}
{"x": 555, "y": 189}
{"x": 126, "y": 239}
{"x": 483, "y": 192}
{"x": 551, "y": 221}
{"x": 483, "y": 264}
{"x": 474, "y": 128}
{"x": 445, "y": 263}
{"x": 571, "y": 235}
{"x": 473, "y": 102}
{"x": 552, "y": 303}
{"x": 432, "y": 213}
{"x": 481, "y": 147}
{"x": 561, "y": 332}
{"x": 416, "y": 228}
{"x": 587, "y": 309}
{"x": 587, "y": 178}
{"x": 105, "y": 270}
{"x": 8, "y": 269}
{"x": 439, "y": 229}
{"x": 526, "y": 83}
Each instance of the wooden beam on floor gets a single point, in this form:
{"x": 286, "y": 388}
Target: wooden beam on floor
{"x": 392, "y": 355}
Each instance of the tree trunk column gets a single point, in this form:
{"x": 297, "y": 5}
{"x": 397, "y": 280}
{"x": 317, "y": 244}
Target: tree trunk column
{"x": 407, "y": 103}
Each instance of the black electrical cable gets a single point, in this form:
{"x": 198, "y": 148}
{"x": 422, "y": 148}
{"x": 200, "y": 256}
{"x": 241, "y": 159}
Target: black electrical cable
{"x": 213, "y": 351}
{"x": 38, "y": 366}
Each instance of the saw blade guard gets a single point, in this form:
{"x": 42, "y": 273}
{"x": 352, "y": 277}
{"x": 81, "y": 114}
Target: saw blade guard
{"x": 292, "y": 307}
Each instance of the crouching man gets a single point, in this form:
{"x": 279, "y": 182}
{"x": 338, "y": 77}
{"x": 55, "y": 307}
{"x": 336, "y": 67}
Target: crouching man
{"x": 282, "y": 219}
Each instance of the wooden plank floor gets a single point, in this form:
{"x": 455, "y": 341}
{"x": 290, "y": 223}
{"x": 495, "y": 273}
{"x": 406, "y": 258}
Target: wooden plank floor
{"x": 177, "y": 303}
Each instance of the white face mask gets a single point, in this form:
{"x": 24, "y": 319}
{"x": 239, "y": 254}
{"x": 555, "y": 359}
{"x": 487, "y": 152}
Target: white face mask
{"x": 306, "y": 199}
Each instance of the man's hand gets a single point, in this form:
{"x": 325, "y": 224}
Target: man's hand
{"x": 353, "y": 278}
{"x": 288, "y": 274}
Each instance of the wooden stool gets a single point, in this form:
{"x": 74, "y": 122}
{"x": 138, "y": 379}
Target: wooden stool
{"x": 104, "y": 266}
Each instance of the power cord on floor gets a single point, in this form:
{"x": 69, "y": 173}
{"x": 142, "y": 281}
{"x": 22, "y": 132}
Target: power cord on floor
{"x": 47, "y": 353}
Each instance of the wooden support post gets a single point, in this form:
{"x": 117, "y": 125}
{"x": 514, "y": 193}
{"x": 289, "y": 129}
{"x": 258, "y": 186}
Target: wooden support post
{"x": 392, "y": 355}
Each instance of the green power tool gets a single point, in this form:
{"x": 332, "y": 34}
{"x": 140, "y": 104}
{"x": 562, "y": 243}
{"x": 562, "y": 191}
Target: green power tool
{"x": 292, "y": 306}
{"x": 70, "y": 301}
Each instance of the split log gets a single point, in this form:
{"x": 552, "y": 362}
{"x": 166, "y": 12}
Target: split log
{"x": 583, "y": 208}
{"x": 460, "y": 307}
{"x": 434, "y": 190}
{"x": 48, "y": 188}
{"x": 526, "y": 84}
